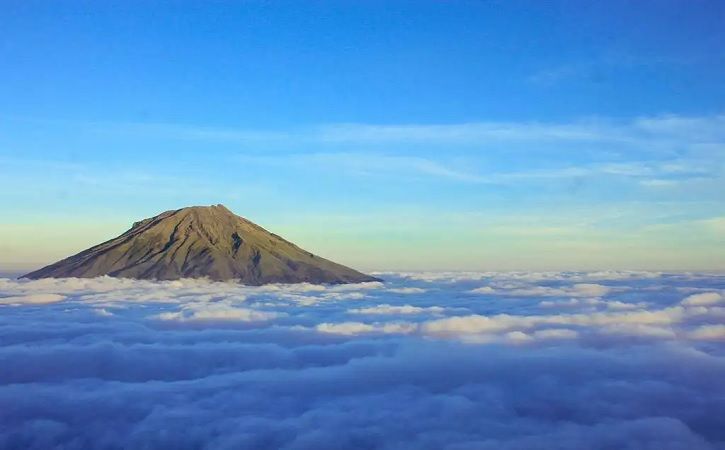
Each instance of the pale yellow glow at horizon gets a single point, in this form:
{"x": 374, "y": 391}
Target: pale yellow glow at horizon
{"x": 696, "y": 245}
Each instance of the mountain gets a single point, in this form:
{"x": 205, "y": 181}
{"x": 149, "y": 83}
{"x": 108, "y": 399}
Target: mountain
{"x": 201, "y": 241}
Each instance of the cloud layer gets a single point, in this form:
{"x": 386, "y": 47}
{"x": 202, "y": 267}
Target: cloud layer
{"x": 424, "y": 360}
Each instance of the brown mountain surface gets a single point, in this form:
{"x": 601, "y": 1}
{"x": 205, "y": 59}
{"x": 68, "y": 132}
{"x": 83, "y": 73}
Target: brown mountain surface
{"x": 201, "y": 241}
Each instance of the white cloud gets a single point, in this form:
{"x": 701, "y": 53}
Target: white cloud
{"x": 703, "y": 299}
{"x": 528, "y": 277}
{"x": 480, "y": 324}
{"x": 349, "y": 328}
{"x": 556, "y": 333}
{"x": 217, "y": 312}
{"x": 639, "y": 329}
{"x": 591, "y": 302}
{"x": 407, "y": 290}
{"x": 400, "y": 309}
{"x": 343, "y": 296}
{"x": 356, "y": 328}
{"x": 103, "y": 312}
{"x": 284, "y": 366}
{"x": 518, "y": 337}
{"x": 446, "y": 277}
{"x": 709, "y": 333}
{"x": 576, "y": 290}
{"x": 370, "y": 285}
{"x": 589, "y": 290}
{"x": 616, "y": 304}
{"x": 483, "y": 290}
{"x": 31, "y": 299}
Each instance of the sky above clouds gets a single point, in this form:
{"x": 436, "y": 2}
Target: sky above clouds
{"x": 466, "y": 135}
{"x": 429, "y": 360}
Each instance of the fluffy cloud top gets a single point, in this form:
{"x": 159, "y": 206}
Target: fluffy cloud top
{"x": 407, "y": 290}
{"x": 30, "y": 299}
{"x": 704, "y": 299}
{"x": 218, "y": 312}
{"x": 576, "y": 290}
{"x": 709, "y": 332}
{"x": 542, "y": 360}
{"x": 397, "y": 309}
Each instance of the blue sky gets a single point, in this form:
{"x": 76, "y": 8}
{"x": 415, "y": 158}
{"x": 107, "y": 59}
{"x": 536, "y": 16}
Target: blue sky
{"x": 386, "y": 135}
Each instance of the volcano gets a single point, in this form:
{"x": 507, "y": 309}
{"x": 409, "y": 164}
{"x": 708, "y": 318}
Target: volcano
{"x": 202, "y": 242}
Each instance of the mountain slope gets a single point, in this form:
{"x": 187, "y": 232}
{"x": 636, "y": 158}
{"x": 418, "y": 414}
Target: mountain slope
{"x": 201, "y": 241}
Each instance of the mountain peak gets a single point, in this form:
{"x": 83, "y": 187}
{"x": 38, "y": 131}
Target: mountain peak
{"x": 209, "y": 210}
{"x": 217, "y": 207}
{"x": 201, "y": 241}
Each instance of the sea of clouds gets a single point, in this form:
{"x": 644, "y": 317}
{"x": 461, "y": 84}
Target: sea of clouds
{"x": 625, "y": 360}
